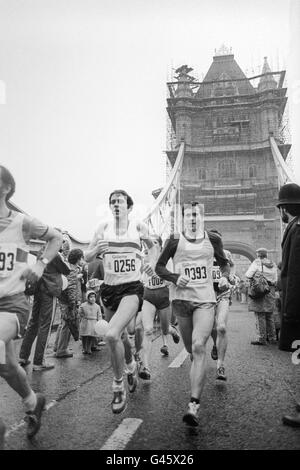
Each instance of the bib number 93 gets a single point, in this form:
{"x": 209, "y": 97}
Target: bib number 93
{"x": 6, "y": 262}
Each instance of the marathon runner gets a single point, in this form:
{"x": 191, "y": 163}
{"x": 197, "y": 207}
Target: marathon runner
{"x": 219, "y": 332}
{"x": 192, "y": 292}
{"x": 156, "y": 298}
{"x": 119, "y": 243}
{"x": 16, "y": 230}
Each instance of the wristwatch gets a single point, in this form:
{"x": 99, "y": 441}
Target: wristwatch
{"x": 45, "y": 261}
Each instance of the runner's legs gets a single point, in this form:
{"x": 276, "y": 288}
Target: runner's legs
{"x": 222, "y": 310}
{"x": 11, "y": 371}
{"x": 117, "y": 322}
{"x": 203, "y": 320}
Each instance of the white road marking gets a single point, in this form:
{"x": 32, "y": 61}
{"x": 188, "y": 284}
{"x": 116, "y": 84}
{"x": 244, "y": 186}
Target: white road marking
{"x": 122, "y": 435}
{"x": 179, "y": 360}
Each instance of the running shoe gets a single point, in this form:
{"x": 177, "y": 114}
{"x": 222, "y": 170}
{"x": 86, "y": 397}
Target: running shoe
{"x": 144, "y": 373}
{"x": 33, "y": 418}
{"x": 132, "y": 379}
{"x": 44, "y": 366}
{"x": 164, "y": 350}
{"x": 191, "y": 416}
{"x": 293, "y": 421}
{"x": 175, "y": 335}
{"x": 2, "y": 434}
{"x": 221, "y": 373}
{"x": 24, "y": 362}
{"x": 119, "y": 401}
{"x": 214, "y": 353}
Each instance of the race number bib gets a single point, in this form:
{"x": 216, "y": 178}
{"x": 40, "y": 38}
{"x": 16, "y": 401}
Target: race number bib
{"x": 120, "y": 263}
{"x": 216, "y": 273}
{"x": 154, "y": 282}
{"x": 196, "y": 272}
{"x": 8, "y": 253}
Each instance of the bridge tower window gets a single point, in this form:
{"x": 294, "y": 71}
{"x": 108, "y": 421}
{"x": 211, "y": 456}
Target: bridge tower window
{"x": 252, "y": 171}
{"x": 227, "y": 169}
{"x": 201, "y": 173}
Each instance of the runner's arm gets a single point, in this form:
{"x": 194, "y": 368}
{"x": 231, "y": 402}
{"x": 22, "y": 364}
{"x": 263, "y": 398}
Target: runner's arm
{"x": 94, "y": 247}
{"x": 34, "y": 229}
{"x": 146, "y": 239}
{"x": 168, "y": 252}
{"x": 219, "y": 254}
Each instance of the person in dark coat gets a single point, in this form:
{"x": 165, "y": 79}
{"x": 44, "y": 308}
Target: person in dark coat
{"x": 49, "y": 287}
{"x": 263, "y": 308}
{"x": 289, "y": 206}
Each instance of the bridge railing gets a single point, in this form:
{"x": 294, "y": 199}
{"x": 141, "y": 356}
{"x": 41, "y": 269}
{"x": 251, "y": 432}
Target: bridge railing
{"x": 164, "y": 215}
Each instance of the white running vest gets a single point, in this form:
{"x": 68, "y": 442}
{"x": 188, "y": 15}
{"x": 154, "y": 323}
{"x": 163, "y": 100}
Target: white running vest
{"x": 194, "y": 260}
{"x": 13, "y": 256}
{"x": 122, "y": 262}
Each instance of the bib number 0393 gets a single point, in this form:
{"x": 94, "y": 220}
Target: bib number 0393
{"x": 196, "y": 273}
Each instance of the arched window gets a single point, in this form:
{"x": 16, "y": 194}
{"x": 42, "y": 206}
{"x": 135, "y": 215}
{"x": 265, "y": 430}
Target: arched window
{"x": 227, "y": 169}
{"x": 252, "y": 171}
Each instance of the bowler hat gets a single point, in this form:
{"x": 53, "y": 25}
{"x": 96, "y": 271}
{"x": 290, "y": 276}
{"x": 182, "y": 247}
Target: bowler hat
{"x": 289, "y": 194}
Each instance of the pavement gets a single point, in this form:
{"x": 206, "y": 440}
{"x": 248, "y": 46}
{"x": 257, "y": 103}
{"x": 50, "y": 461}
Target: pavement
{"x": 243, "y": 413}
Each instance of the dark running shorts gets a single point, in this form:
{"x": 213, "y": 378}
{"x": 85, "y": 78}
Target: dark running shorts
{"x": 16, "y": 304}
{"x": 157, "y": 297}
{"x": 185, "y": 308}
{"x": 111, "y": 296}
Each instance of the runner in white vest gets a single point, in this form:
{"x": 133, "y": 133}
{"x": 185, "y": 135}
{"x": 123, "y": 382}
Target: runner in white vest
{"x": 192, "y": 292}
{"x": 119, "y": 243}
{"x": 15, "y": 232}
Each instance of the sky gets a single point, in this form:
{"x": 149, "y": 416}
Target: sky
{"x": 83, "y": 91}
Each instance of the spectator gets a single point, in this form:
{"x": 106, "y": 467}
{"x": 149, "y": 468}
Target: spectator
{"x": 289, "y": 206}
{"x": 263, "y": 307}
{"x": 69, "y": 302}
{"x": 49, "y": 287}
{"x": 89, "y": 313}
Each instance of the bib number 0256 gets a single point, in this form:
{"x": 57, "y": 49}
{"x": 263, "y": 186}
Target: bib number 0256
{"x": 124, "y": 265}
{"x": 195, "y": 273}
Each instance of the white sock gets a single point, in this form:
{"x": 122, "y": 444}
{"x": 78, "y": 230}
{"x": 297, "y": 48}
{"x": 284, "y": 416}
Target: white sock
{"x": 130, "y": 368}
{"x": 219, "y": 363}
{"x": 30, "y": 401}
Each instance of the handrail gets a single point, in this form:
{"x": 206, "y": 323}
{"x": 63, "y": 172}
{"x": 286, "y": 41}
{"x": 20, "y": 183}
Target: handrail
{"x": 282, "y": 167}
{"x": 173, "y": 174}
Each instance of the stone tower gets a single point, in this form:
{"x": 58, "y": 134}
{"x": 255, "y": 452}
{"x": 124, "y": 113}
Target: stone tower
{"x": 226, "y": 121}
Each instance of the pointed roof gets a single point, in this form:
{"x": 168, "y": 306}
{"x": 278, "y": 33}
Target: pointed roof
{"x": 224, "y": 67}
{"x": 266, "y": 82}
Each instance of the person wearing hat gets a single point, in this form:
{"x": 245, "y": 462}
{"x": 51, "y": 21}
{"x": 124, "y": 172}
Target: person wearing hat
{"x": 263, "y": 307}
{"x": 289, "y": 206}
{"x": 89, "y": 313}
